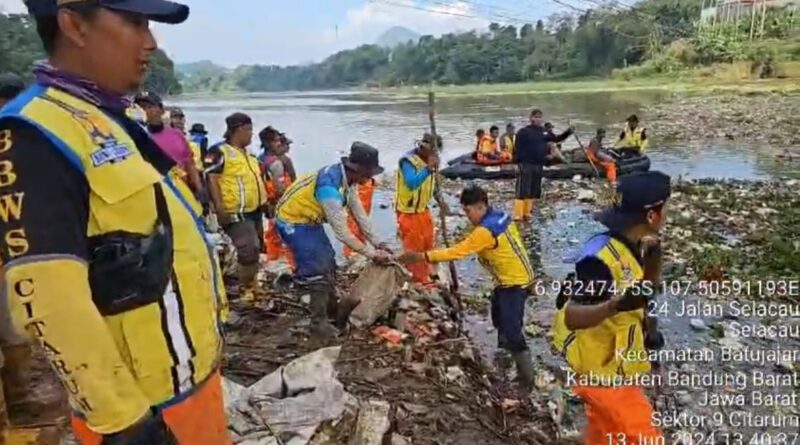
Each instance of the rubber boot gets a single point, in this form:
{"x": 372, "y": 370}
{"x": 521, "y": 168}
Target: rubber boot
{"x": 519, "y": 209}
{"x": 321, "y": 328}
{"x": 346, "y": 307}
{"x": 524, "y": 364}
{"x": 530, "y": 204}
{"x": 247, "y": 281}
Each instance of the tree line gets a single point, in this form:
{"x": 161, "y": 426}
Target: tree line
{"x": 20, "y": 48}
{"x": 586, "y": 43}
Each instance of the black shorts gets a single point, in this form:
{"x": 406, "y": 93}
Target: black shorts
{"x": 529, "y": 181}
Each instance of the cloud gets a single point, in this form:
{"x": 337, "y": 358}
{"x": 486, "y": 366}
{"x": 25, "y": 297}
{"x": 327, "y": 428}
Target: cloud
{"x": 12, "y": 6}
{"x": 365, "y": 23}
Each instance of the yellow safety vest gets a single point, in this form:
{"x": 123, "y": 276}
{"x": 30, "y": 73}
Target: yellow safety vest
{"x": 173, "y": 345}
{"x": 508, "y": 261}
{"x": 509, "y": 143}
{"x": 633, "y": 139}
{"x": 240, "y": 181}
{"x": 299, "y": 204}
{"x": 594, "y": 350}
{"x": 196, "y": 154}
{"x": 413, "y": 201}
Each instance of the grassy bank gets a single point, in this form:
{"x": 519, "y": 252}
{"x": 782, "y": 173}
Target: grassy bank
{"x": 717, "y": 78}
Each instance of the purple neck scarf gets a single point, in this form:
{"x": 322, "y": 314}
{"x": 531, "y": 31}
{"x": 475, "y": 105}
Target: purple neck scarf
{"x": 87, "y": 90}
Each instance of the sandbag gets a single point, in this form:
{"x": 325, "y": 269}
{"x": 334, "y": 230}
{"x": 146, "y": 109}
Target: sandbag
{"x": 374, "y": 291}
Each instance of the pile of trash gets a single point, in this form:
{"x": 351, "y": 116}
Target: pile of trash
{"x": 403, "y": 373}
{"x": 769, "y": 118}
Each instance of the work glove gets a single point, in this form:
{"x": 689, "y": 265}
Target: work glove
{"x": 411, "y": 258}
{"x": 149, "y": 431}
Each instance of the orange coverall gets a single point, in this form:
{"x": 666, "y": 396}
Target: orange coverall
{"x": 365, "y": 193}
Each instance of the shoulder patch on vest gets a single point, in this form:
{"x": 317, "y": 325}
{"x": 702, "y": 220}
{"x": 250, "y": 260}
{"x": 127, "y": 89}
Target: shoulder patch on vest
{"x": 110, "y": 151}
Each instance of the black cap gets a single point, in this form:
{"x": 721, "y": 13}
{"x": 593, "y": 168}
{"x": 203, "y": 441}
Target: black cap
{"x": 237, "y": 120}
{"x": 632, "y": 117}
{"x": 364, "y": 159}
{"x": 162, "y": 11}
{"x": 148, "y": 97}
{"x": 635, "y": 195}
{"x": 198, "y": 128}
{"x": 427, "y": 139}
{"x": 10, "y": 85}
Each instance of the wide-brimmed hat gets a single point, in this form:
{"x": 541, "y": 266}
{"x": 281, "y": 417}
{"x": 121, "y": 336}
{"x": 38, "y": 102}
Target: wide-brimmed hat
{"x": 363, "y": 158}
{"x": 162, "y": 11}
{"x": 198, "y": 129}
{"x": 635, "y": 195}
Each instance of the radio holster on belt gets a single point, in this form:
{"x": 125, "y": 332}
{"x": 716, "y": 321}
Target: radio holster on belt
{"x": 129, "y": 270}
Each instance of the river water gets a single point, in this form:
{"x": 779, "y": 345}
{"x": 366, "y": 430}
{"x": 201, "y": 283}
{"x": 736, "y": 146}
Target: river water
{"x": 323, "y": 125}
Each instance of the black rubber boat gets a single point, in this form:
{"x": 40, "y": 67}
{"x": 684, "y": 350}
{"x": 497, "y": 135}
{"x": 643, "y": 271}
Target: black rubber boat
{"x": 465, "y": 167}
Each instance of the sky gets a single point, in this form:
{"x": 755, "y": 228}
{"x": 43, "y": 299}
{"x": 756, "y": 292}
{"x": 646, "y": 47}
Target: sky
{"x": 286, "y": 32}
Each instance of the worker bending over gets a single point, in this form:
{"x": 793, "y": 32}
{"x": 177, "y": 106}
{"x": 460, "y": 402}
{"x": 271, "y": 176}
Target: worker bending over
{"x": 616, "y": 273}
{"x": 310, "y": 202}
{"x": 237, "y": 191}
{"x": 277, "y": 178}
{"x": 415, "y": 189}
{"x": 599, "y": 156}
{"x": 496, "y": 241}
{"x": 105, "y": 264}
{"x": 633, "y": 139}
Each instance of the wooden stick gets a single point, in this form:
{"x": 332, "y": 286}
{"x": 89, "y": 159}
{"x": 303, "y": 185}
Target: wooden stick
{"x": 454, "y": 285}
{"x": 588, "y": 158}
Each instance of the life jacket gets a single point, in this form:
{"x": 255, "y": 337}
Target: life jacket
{"x": 299, "y": 204}
{"x": 417, "y": 200}
{"x": 240, "y": 182}
{"x": 488, "y": 145}
{"x": 172, "y": 345}
{"x": 594, "y": 350}
{"x": 269, "y": 181}
{"x": 196, "y": 154}
{"x": 509, "y": 143}
{"x": 507, "y": 261}
{"x": 633, "y": 138}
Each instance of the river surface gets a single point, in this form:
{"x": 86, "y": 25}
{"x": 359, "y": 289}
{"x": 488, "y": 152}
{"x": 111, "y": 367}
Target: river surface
{"x": 323, "y": 125}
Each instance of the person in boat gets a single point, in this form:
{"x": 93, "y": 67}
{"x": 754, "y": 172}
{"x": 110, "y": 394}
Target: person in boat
{"x": 633, "y": 139}
{"x": 509, "y": 140}
{"x": 600, "y": 157}
{"x": 478, "y": 138}
{"x": 496, "y": 241}
{"x": 531, "y": 155}
{"x": 615, "y": 275}
{"x": 489, "y": 152}
{"x": 554, "y": 155}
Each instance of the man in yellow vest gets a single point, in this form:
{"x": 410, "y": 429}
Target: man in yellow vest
{"x": 307, "y": 204}
{"x": 602, "y": 327}
{"x": 105, "y": 263}
{"x": 237, "y": 191}
{"x": 496, "y": 241}
{"x": 509, "y": 140}
{"x": 415, "y": 189}
{"x": 633, "y": 139}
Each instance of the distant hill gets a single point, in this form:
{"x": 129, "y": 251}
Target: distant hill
{"x": 201, "y": 68}
{"x": 396, "y": 36}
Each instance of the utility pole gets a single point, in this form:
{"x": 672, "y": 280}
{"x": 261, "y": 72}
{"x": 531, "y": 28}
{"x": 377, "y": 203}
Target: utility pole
{"x": 752, "y": 19}
{"x": 763, "y": 18}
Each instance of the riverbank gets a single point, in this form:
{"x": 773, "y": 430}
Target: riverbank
{"x": 687, "y": 84}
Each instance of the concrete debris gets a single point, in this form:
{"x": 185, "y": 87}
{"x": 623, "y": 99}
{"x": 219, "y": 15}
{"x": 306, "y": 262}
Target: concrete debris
{"x": 373, "y": 423}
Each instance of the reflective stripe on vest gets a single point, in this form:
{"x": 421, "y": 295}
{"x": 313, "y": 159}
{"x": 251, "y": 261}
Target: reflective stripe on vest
{"x": 413, "y": 201}
{"x": 508, "y": 261}
{"x": 171, "y": 346}
{"x": 594, "y": 350}
{"x": 240, "y": 183}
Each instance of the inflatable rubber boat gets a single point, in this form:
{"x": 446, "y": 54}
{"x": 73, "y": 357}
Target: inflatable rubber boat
{"x": 465, "y": 167}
